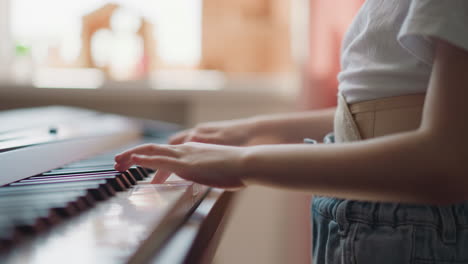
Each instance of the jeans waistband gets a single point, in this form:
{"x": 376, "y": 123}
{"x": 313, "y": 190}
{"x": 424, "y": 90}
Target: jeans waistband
{"x": 389, "y": 213}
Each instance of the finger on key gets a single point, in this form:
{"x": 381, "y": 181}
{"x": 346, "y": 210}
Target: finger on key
{"x": 161, "y": 176}
{"x": 146, "y": 149}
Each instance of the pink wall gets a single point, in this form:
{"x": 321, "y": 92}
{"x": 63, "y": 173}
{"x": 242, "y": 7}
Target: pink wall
{"x": 329, "y": 20}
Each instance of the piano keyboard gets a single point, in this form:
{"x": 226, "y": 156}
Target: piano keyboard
{"x": 36, "y": 203}
{"x": 31, "y": 207}
{"x": 58, "y": 205}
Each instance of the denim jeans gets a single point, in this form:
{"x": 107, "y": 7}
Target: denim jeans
{"x": 355, "y": 232}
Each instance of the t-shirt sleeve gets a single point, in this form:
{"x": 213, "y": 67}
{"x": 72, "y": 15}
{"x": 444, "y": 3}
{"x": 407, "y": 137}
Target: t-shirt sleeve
{"x": 444, "y": 19}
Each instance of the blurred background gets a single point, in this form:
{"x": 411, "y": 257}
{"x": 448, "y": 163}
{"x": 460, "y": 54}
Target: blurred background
{"x": 134, "y": 40}
{"x": 185, "y": 61}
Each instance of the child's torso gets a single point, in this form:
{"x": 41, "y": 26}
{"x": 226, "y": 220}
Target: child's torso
{"x": 374, "y": 64}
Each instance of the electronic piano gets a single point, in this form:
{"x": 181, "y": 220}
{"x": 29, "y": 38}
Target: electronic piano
{"x": 61, "y": 201}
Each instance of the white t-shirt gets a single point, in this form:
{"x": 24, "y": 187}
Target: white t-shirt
{"x": 388, "y": 49}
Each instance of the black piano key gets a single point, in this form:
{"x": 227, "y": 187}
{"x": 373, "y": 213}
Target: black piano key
{"x": 142, "y": 172}
{"x": 12, "y": 188}
{"x": 36, "y": 203}
{"x": 66, "y": 211}
{"x": 35, "y": 196}
{"x": 136, "y": 173}
{"x": 99, "y": 188}
{"x": 19, "y": 190}
{"x": 149, "y": 171}
{"x": 15, "y": 230}
{"x": 124, "y": 177}
{"x": 85, "y": 165}
{"x": 101, "y": 193}
{"x": 38, "y": 225}
{"x": 112, "y": 181}
{"x": 110, "y": 190}
{"x": 31, "y": 218}
{"x": 82, "y": 203}
{"x": 79, "y": 200}
{"x": 89, "y": 198}
{"x": 78, "y": 170}
{"x": 95, "y": 191}
{"x": 25, "y": 218}
{"x": 53, "y": 215}
{"x": 54, "y": 218}
{"x": 130, "y": 177}
{"x": 74, "y": 174}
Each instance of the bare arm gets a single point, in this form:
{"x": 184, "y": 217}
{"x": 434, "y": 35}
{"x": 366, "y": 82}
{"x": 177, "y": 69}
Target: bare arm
{"x": 294, "y": 127}
{"x": 428, "y": 165}
{"x": 265, "y": 129}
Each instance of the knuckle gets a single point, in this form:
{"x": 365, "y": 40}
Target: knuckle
{"x": 203, "y": 128}
{"x": 153, "y": 160}
{"x": 178, "y": 141}
{"x": 190, "y": 163}
{"x": 171, "y": 147}
{"x": 190, "y": 144}
{"x": 146, "y": 146}
{"x": 223, "y": 134}
{"x": 173, "y": 138}
{"x": 175, "y": 141}
{"x": 187, "y": 146}
{"x": 152, "y": 147}
{"x": 193, "y": 137}
{"x": 216, "y": 139}
{"x": 180, "y": 134}
{"x": 198, "y": 138}
{"x": 198, "y": 128}
{"x": 200, "y": 125}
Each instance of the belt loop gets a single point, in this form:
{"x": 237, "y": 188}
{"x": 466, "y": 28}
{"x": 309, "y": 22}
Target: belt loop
{"x": 329, "y": 138}
{"x": 388, "y": 213}
{"x": 341, "y": 217}
{"x": 395, "y": 208}
{"x": 448, "y": 225}
{"x": 374, "y": 215}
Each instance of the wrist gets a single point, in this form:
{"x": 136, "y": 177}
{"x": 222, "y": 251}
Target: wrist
{"x": 254, "y": 126}
{"x": 263, "y": 130}
{"x": 248, "y": 160}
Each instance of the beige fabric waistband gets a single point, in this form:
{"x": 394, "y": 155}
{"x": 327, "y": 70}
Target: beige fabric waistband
{"x": 378, "y": 117}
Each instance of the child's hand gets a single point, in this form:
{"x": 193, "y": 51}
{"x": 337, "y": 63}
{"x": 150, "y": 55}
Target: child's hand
{"x": 232, "y": 132}
{"x": 213, "y": 165}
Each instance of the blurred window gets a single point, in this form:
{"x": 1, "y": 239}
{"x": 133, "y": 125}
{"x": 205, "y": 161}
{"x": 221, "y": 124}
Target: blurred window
{"x": 129, "y": 39}
{"x": 52, "y": 28}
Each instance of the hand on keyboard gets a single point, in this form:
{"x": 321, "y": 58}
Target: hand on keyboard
{"x": 232, "y": 132}
{"x": 213, "y": 165}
